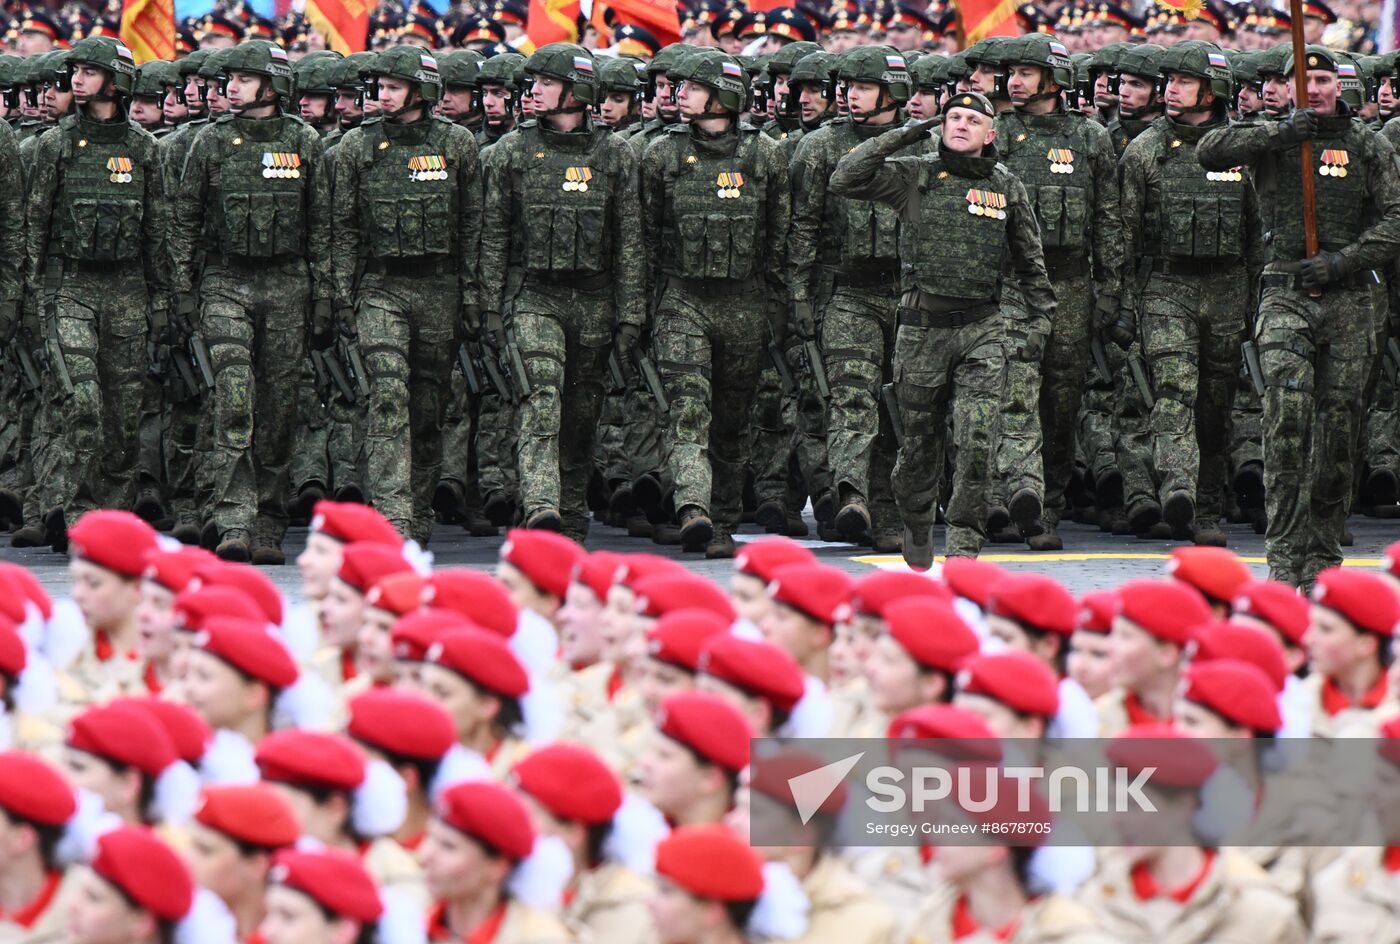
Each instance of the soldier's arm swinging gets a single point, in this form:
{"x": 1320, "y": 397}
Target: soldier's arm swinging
{"x": 187, "y": 218}
{"x": 345, "y": 237}
{"x": 868, "y": 172}
{"x": 629, "y": 259}
{"x": 469, "y": 221}
{"x": 318, "y": 218}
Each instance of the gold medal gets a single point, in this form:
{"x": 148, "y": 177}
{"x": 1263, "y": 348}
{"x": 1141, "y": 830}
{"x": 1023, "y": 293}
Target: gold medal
{"x": 114, "y": 178}
{"x": 582, "y": 187}
{"x": 974, "y": 209}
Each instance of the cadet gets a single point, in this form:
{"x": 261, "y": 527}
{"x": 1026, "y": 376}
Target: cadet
{"x": 715, "y": 207}
{"x": 266, "y": 261}
{"x": 93, "y": 220}
{"x": 407, "y": 201}
{"x": 562, "y": 269}
{"x": 620, "y": 106}
{"x": 1194, "y": 305}
{"x": 857, "y": 240}
{"x": 974, "y": 220}
{"x": 1317, "y": 319}
{"x": 1067, "y": 166}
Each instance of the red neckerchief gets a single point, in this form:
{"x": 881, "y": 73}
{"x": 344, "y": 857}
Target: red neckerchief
{"x": 483, "y": 933}
{"x": 614, "y": 682}
{"x": 347, "y": 665}
{"x": 102, "y": 647}
{"x": 1335, "y": 701}
{"x": 492, "y": 751}
{"x": 1145, "y": 886}
{"x": 30, "y": 913}
{"x": 1137, "y": 714}
{"x": 413, "y": 842}
{"x": 926, "y": 854}
{"x": 255, "y": 938}
{"x": 965, "y": 925}
{"x": 152, "y": 680}
{"x": 1392, "y": 859}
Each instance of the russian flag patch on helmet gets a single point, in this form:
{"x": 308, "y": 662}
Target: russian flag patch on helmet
{"x": 895, "y": 62}
{"x": 1218, "y": 60}
{"x": 732, "y": 68}
{"x": 428, "y": 61}
{"x": 1346, "y": 69}
{"x": 1058, "y": 49}
{"x": 277, "y": 52}
{"x": 583, "y": 63}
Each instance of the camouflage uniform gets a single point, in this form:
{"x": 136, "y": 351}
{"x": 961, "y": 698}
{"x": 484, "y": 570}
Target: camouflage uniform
{"x": 563, "y": 264}
{"x": 950, "y": 347}
{"x": 1317, "y": 354}
{"x": 255, "y": 200}
{"x": 12, "y": 461}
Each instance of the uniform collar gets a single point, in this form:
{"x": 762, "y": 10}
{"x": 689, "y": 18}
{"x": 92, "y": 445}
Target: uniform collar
{"x": 966, "y": 166}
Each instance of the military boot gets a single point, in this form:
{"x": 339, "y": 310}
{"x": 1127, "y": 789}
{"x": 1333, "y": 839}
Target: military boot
{"x": 696, "y": 528}
{"x": 28, "y": 536}
{"x": 998, "y": 519}
{"x": 546, "y": 519}
{"x": 186, "y": 530}
{"x": 267, "y": 553}
{"x": 499, "y": 509}
{"x": 1209, "y": 534}
{"x": 11, "y": 505}
{"x": 1143, "y": 515}
{"x": 887, "y": 541}
{"x": 853, "y": 520}
{"x": 148, "y": 506}
{"x": 796, "y": 527}
{"x": 771, "y": 516}
{"x": 638, "y": 526}
{"x": 350, "y": 494}
{"x": 721, "y": 546}
{"x": 480, "y": 526}
{"x": 450, "y": 502}
{"x": 299, "y": 508}
{"x": 56, "y": 531}
{"x": 1024, "y": 508}
{"x": 918, "y": 547}
{"x": 1179, "y": 510}
{"x": 666, "y": 534}
{"x": 1047, "y": 540}
{"x": 647, "y": 493}
{"x": 209, "y": 535}
{"x": 233, "y": 546}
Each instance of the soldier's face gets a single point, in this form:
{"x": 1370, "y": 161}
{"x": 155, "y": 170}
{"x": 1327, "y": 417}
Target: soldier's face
{"x": 315, "y": 109}
{"x": 56, "y": 103}
{"x": 903, "y": 38}
{"x": 347, "y": 107}
{"x": 146, "y": 113}
{"x": 98, "y": 913}
{"x": 318, "y": 563}
{"x": 546, "y": 93}
{"x": 1184, "y": 91}
{"x": 863, "y": 98}
{"x": 393, "y": 93}
{"x": 456, "y": 102}
{"x": 342, "y": 611}
{"x": 1250, "y": 102}
{"x": 469, "y": 709}
{"x": 175, "y": 110}
{"x": 107, "y": 599}
{"x": 1323, "y": 90}
{"x": 219, "y": 866}
{"x": 984, "y": 79}
{"x": 88, "y": 80}
{"x": 1134, "y": 92}
{"x": 696, "y": 99}
{"x": 455, "y": 866}
{"x": 840, "y": 41}
{"x": 923, "y": 104}
{"x": 155, "y": 621}
{"x": 33, "y": 43}
{"x": 966, "y": 131}
{"x": 812, "y": 101}
{"x": 243, "y": 88}
{"x": 1385, "y": 96}
{"x": 495, "y": 101}
{"x": 1088, "y": 662}
{"x": 293, "y": 918}
{"x": 1023, "y": 82}
{"x": 1278, "y": 93}
{"x": 750, "y": 597}
{"x": 850, "y": 646}
{"x": 1103, "y": 98}
{"x": 614, "y": 108}
{"x": 580, "y": 635}
{"x": 1202, "y": 722}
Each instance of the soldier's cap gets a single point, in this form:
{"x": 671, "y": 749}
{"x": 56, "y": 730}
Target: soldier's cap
{"x": 597, "y": 571}
{"x": 709, "y": 726}
{"x": 116, "y": 540}
{"x": 634, "y": 40}
{"x": 1362, "y": 598}
{"x": 877, "y": 590}
{"x": 1018, "y": 680}
{"x": 547, "y": 560}
{"x": 477, "y": 596}
{"x": 1238, "y": 691}
{"x": 931, "y": 632}
{"x": 349, "y": 521}
{"x": 974, "y": 101}
{"x": 365, "y": 563}
{"x": 490, "y": 813}
{"x": 187, "y": 730}
{"x": 194, "y": 607}
{"x": 33, "y": 791}
{"x": 1215, "y": 571}
{"x": 1240, "y": 643}
{"x": 482, "y": 658}
{"x": 399, "y": 593}
{"x": 1036, "y": 601}
{"x": 250, "y": 649}
{"x": 311, "y": 759}
{"x": 1277, "y": 604}
{"x": 711, "y": 862}
{"x": 124, "y": 734}
{"x": 174, "y": 570}
{"x": 679, "y": 637}
{"x": 756, "y": 667}
{"x": 662, "y": 593}
{"x": 1096, "y": 611}
{"x": 814, "y": 590}
{"x": 971, "y": 578}
{"x": 761, "y": 558}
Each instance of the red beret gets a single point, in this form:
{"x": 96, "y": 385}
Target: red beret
{"x": 931, "y": 631}
{"x": 1362, "y": 597}
{"x": 763, "y": 557}
{"x": 1034, "y": 600}
{"x": 971, "y": 578}
{"x": 1246, "y": 644}
{"x": 483, "y": 659}
{"x": 1216, "y": 572}
{"x": 875, "y": 591}
{"x": 251, "y": 650}
{"x": 12, "y": 654}
{"x": 679, "y": 636}
{"x": 546, "y": 559}
{"x": 398, "y": 593}
{"x": 310, "y": 759}
{"x": 638, "y": 567}
{"x": 708, "y": 725}
{"x": 335, "y": 880}
{"x": 400, "y": 723}
{"x": 254, "y": 814}
{"x": 1018, "y": 680}
{"x": 817, "y": 591}
{"x": 173, "y": 570}
{"x": 660, "y": 594}
{"x": 571, "y": 782}
{"x": 414, "y": 634}
{"x": 1392, "y": 559}
{"x": 710, "y": 862}
{"x": 28, "y": 587}
{"x": 33, "y": 791}
{"x": 195, "y": 608}
{"x": 597, "y": 571}
{"x": 123, "y": 734}
{"x": 117, "y": 540}
{"x": 491, "y": 814}
{"x": 1238, "y": 691}
{"x": 187, "y": 730}
{"x": 756, "y": 668}
{"x": 146, "y": 870}
{"x": 366, "y": 562}
{"x": 477, "y": 596}
{"x": 1181, "y": 759}
{"x": 1096, "y": 611}
{"x": 1165, "y": 609}
{"x": 975, "y": 740}
{"x": 350, "y": 522}
{"x": 770, "y": 776}
{"x": 1275, "y": 603}
{"x": 259, "y": 587}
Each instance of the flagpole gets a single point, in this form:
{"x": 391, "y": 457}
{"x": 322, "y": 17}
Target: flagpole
{"x": 1305, "y": 149}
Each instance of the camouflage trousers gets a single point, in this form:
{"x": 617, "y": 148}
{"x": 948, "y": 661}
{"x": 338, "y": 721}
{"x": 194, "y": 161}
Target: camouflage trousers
{"x": 458, "y": 425}
{"x": 1317, "y": 356}
{"x": 1132, "y": 430}
{"x": 708, "y": 347}
{"x": 495, "y": 438}
{"x": 1191, "y": 328}
{"x": 941, "y": 372}
{"x": 629, "y": 444}
{"x": 409, "y": 327}
{"x": 564, "y": 335}
{"x": 179, "y": 434}
{"x": 858, "y": 343}
{"x": 1381, "y": 449}
{"x": 98, "y": 327}
{"x": 330, "y": 438}
{"x": 1246, "y": 425}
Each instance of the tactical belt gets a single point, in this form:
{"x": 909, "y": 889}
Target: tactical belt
{"x": 716, "y": 287}
{"x": 412, "y": 266}
{"x": 1362, "y": 279}
{"x": 105, "y": 268}
{"x": 231, "y": 261}
{"x": 868, "y": 278}
{"x": 581, "y": 281}
{"x": 1060, "y": 267}
{"x": 917, "y": 318}
{"x": 1186, "y": 265}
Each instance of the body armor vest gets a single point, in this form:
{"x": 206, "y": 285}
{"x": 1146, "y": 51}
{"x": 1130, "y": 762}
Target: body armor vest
{"x": 714, "y": 211}
{"x": 1049, "y": 155}
{"x": 953, "y": 238}
{"x": 1195, "y": 212}
{"x": 101, "y": 194}
{"x": 1340, "y": 180}
{"x": 408, "y": 200}
{"x": 566, "y": 202}
{"x": 862, "y": 235}
{"x": 258, "y": 190}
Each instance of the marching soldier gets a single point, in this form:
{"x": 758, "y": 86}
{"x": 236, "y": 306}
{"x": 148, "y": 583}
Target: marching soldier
{"x": 620, "y": 107}
{"x": 500, "y": 89}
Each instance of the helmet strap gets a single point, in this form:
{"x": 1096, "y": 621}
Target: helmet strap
{"x": 888, "y": 104}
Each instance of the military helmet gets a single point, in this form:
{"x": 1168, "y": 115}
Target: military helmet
{"x": 992, "y": 51}
{"x": 261, "y": 57}
{"x": 1142, "y": 60}
{"x": 189, "y": 64}
{"x": 618, "y": 74}
{"x": 213, "y": 66}
{"x": 506, "y": 69}
{"x": 718, "y": 71}
{"x": 104, "y": 52}
{"x": 1106, "y": 59}
{"x": 312, "y": 73}
{"x": 1245, "y": 69}
{"x": 929, "y": 71}
{"x": 1045, "y": 51}
{"x": 152, "y": 78}
{"x": 667, "y": 58}
{"x": 460, "y": 68}
{"x": 782, "y": 61}
{"x": 1204, "y": 61}
{"x": 51, "y": 68}
{"x": 1276, "y": 60}
{"x": 1351, "y": 77}
{"x": 568, "y": 62}
{"x": 412, "y": 64}
{"x": 880, "y": 64}
{"x": 815, "y": 68}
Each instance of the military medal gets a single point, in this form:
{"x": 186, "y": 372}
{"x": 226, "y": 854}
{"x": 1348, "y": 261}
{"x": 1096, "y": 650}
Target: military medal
{"x": 729, "y": 185}
{"x": 576, "y": 178}
{"x": 986, "y": 203}
{"x": 1334, "y": 163}
{"x": 278, "y": 165}
{"x": 425, "y": 167}
{"x": 1061, "y": 160}
{"x": 1228, "y": 176}
{"x": 119, "y": 170}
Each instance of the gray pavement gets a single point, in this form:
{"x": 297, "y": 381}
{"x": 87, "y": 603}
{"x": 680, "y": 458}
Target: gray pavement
{"x": 1091, "y": 559}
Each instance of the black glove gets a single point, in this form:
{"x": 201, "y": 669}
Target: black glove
{"x": 1123, "y": 329}
{"x": 322, "y": 324}
{"x": 9, "y": 321}
{"x": 1298, "y": 127}
{"x": 626, "y": 340}
{"x": 804, "y": 320}
{"x": 158, "y": 330}
{"x": 920, "y": 129}
{"x": 1323, "y": 269}
{"x": 1032, "y": 348}
{"x": 182, "y": 315}
{"x": 493, "y": 331}
{"x": 471, "y": 323}
{"x": 345, "y": 322}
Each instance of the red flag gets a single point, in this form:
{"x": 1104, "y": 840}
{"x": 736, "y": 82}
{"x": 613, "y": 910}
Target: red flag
{"x": 979, "y": 19}
{"x": 658, "y": 16}
{"x": 344, "y": 23}
{"x": 148, "y": 29}
{"x": 766, "y": 5}
{"x": 550, "y": 21}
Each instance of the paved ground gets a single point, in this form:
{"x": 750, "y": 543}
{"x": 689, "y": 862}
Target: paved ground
{"x": 1091, "y": 559}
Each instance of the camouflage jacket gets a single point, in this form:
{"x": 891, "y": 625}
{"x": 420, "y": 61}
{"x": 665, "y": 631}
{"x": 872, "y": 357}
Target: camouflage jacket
{"x": 1122, "y": 132}
{"x": 11, "y": 218}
